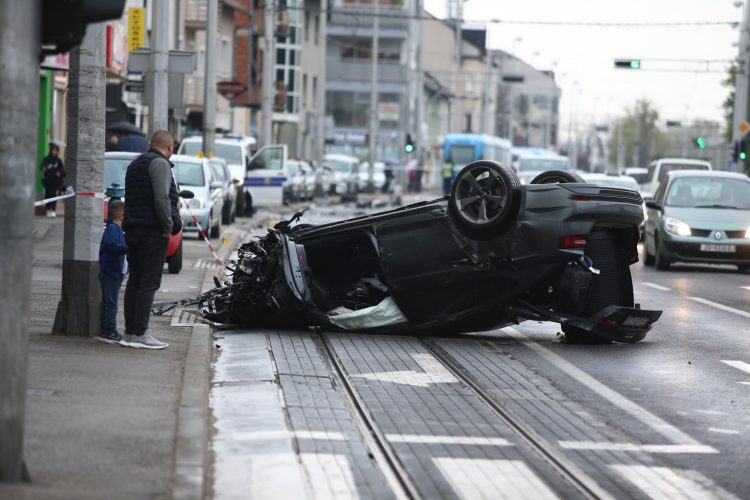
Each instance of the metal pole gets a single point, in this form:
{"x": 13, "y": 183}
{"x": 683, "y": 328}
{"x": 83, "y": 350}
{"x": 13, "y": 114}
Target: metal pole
{"x": 620, "y": 146}
{"x": 78, "y": 312}
{"x": 249, "y": 62}
{"x": 485, "y": 113}
{"x": 268, "y": 70}
{"x": 158, "y": 77}
{"x": 418, "y": 113}
{"x": 209, "y": 80}
{"x": 741, "y": 85}
{"x": 373, "y": 92}
{"x": 19, "y": 83}
{"x": 320, "y": 98}
{"x": 457, "y": 67}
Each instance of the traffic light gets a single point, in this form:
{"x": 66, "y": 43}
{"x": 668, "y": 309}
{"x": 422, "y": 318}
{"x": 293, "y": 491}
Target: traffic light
{"x": 739, "y": 151}
{"x": 628, "y": 63}
{"x": 409, "y": 146}
{"x": 699, "y": 142}
{"x": 64, "y": 21}
{"x": 674, "y": 123}
{"x": 743, "y": 150}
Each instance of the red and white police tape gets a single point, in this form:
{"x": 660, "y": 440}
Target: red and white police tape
{"x": 203, "y": 235}
{"x": 69, "y": 193}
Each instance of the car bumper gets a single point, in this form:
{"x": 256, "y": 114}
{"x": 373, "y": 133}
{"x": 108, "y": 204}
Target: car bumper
{"x": 189, "y": 225}
{"x": 688, "y": 249}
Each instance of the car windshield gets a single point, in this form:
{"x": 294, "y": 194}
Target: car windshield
{"x": 232, "y": 153}
{"x": 669, "y": 167}
{"x": 114, "y": 171}
{"x": 708, "y": 192}
{"x": 189, "y": 173}
{"x": 542, "y": 164}
{"x": 339, "y": 166}
{"x": 218, "y": 170}
{"x": 462, "y": 155}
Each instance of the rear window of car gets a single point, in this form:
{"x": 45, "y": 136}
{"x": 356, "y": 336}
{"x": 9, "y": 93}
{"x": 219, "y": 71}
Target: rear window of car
{"x": 232, "y": 153}
{"x": 189, "y": 174}
{"x": 669, "y": 167}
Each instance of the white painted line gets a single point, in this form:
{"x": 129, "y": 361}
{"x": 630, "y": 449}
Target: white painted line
{"x": 658, "y": 287}
{"x": 664, "y": 483}
{"x": 722, "y": 431}
{"x": 738, "y": 312}
{"x": 740, "y": 365}
{"x": 648, "y": 448}
{"x": 662, "y": 427}
{"x": 483, "y": 479}
{"x": 744, "y": 383}
{"x": 426, "y": 439}
{"x": 330, "y": 476}
{"x": 746, "y": 288}
{"x": 288, "y": 434}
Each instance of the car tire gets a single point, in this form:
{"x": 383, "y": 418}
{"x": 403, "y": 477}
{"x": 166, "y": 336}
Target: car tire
{"x": 660, "y": 262}
{"x": 240, "y": 203}
{"x": 612, "y": 286}
{"x": 248, "y": 204}
{"x": 557, "y": 177}
{"x": 226, "y": 214}
{"x": 484, "y": 199}
{"x": 174, "y": 264}
{"x": 648, "y": 259}
{"x": 216, "y": 230}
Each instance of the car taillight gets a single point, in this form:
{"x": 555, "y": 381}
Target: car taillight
{"x": 573, "y": 242}
{"x": 608, "y": 323}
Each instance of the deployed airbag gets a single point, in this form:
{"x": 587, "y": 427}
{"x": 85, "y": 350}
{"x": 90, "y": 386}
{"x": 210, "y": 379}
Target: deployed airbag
{"x": 386, "y": 313}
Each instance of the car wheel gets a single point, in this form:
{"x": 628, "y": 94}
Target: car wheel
{"x": 226, "y": 214}
{"x": 240, "y": 203}
{"x": 174, "y": 265}
{"x": 612, "y": 286}
{"x": 248, "y": 205}
{"x": 484, "y": 199}
{"x": 216, "y": 230}
{"x": 648, "y": 259}
{"x": 661, "y": 263}
{"x": 556, "y": 177}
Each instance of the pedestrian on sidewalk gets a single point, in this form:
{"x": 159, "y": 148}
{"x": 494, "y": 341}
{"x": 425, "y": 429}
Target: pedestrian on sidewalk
{"x": 447, "y": 172}
{"x": 112, "y": 252}
{"x": 53, "y": 177}
{"x": 151, "y": 217}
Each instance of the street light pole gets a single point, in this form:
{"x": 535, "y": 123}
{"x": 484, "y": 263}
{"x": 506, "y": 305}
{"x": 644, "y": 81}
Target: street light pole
{"x": 209, "y": 80}
{"x": 19, "y": 90}
{"x": 158, "y": 77}
{"x": 268, "y": 71}
{"x": 373, "y": 92}
{"x": 741, "y": 84}
{"x": 320, "y": 98}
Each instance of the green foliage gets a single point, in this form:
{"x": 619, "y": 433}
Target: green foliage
{"x": 642, "y": 138}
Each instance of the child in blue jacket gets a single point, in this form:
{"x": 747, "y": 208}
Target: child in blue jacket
{"x": 111, "y": 271}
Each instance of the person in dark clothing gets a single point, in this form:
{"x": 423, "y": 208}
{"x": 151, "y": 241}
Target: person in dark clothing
{"x": 112, "y": 252}
{"x": 151, "y": 217}
{"x": 54, "y": 175}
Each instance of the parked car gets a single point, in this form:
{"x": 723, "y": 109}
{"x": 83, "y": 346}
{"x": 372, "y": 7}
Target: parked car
{"x": 345, "y": 174}
{"x": 115, "y": 167}
{"x": 222, "y": 174}
{"x": 378, "y": 175}
{"x": 294, "y": 186}
{"x": 236, "y": 151}
{"x": 699, "y": 216}
{"x": 493, "y": 253}
{"x": 310, "y": 179}
{"x": 658, "y": 169}
{"x": 530, "y": 162}
{"x": 195, "y": 174}
{"x": 640, "y": 174}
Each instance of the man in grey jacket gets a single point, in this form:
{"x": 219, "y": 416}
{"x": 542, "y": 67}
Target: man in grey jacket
{"x": 151, "y": 218}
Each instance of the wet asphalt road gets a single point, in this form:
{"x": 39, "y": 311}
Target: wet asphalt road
{"x": 668, "y": 417}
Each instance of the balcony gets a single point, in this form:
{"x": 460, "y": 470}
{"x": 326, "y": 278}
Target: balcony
{"x": 359, "y": 70}
{"x": 358, "y": 14}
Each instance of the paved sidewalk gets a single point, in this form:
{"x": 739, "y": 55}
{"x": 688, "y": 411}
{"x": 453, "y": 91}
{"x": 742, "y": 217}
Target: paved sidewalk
{"x": 105, "y": 421}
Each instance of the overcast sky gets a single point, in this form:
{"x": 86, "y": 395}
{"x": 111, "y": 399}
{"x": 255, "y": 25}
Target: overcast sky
{"x": 586, "y": 54}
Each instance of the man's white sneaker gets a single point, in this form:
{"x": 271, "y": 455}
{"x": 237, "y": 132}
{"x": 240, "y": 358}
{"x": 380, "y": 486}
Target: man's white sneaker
{"x": 146, "y": 341}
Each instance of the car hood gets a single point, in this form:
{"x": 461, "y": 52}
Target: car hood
{"x": 711, "y": 218}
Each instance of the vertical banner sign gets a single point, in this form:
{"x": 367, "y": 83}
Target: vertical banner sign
{"x": 136, "y": 28}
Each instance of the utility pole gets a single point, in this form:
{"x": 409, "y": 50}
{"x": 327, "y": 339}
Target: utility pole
{"x": 78, "y": 312}
{"x": 209, "y": 80}
{"x": 486, "y": 100}
{"x": 456, "y": 122}
{"x": 373, "y": 92}
{"x": 268, "y": 71}
{"x": 420, "y": 150}
{"x": 249, "y": 59}
{"x": 320, "y": 98}
{"x": 19, "y": 91}
{"x": 158, "y": 77}
{"x": 741, "y": 80}
{"x": 620, "y": 146}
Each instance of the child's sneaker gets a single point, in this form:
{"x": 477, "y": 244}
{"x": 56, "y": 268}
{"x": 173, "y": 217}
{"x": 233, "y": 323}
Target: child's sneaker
{"x": 110, "y": 338}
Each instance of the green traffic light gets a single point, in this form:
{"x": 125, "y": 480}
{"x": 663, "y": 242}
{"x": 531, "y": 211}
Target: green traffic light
{"x": 409, "y": 148}
{"x": 635, "y": 64}
{"x": 701, "y": 143}
{"x": 743, "y": 155}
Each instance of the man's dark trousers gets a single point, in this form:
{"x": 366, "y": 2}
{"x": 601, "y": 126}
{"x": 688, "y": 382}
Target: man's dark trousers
{"x": 147, "y": 249}
{"x": 110, "y": 291}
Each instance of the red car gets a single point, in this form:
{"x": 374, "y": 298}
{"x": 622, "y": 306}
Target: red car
{"x": 115, "y": 165}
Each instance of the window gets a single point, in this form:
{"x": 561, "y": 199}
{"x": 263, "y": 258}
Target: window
{"x": 307, "y": 26}
{"x": 315, "y": 88}
{"x": 317, "y": 29}
{"x": 468, "y": 122}
{"x": 304, "y": 89}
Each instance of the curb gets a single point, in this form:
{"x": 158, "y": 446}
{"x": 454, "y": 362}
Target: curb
{"x": 191, "y": 441}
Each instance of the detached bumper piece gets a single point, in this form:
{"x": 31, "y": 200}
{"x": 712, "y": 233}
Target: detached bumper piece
{"x": 618, "y": 324}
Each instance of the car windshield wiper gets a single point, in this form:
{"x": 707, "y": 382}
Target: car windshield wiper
{"x": 718, "y": 206}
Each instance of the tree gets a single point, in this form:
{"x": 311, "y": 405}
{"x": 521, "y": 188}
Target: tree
{"x": 728, "y": 104}
{"x": 642, "y": 139}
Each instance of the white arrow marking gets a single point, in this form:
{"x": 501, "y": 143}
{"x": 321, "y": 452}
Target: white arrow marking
{"x": 433, "y": 373}
{"x": 665, "y": 483}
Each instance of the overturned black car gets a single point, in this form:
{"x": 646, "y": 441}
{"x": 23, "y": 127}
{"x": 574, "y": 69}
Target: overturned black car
{"x": 492, "y": 253}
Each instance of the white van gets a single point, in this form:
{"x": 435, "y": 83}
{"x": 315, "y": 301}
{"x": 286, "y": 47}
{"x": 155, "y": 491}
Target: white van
{"x": 345, "y": 174}
{"x": 658, "y": 170}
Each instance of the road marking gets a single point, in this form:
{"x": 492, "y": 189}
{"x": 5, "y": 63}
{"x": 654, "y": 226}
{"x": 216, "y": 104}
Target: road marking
{"x": 433, "y": 373}
{"x": 658, "y": 287}
{"x": 289, "y": 434}
{"x": 746, "y": 288}
{"x": 648, "y": 448}
{"x": 722, "y": 431}
{"x": 426, "y": 439}
{"x": 665, "y": 483}
{"x": 737, "y": 364}
{"x": 738, "y": 312}
{"x": 483, "y": 478}
{"x": 744, "y": 383}
{"x": 329, "y": 475}
{"x": 662, "y": 427}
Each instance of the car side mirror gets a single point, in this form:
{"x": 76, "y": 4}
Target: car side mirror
{"x": 185, "y": 194}
{"x": 653, "y": 205}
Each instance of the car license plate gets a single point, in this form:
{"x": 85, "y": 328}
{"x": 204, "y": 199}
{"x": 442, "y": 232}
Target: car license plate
{"x": 712, "y": 247}
{"x": 636, "y": 321}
